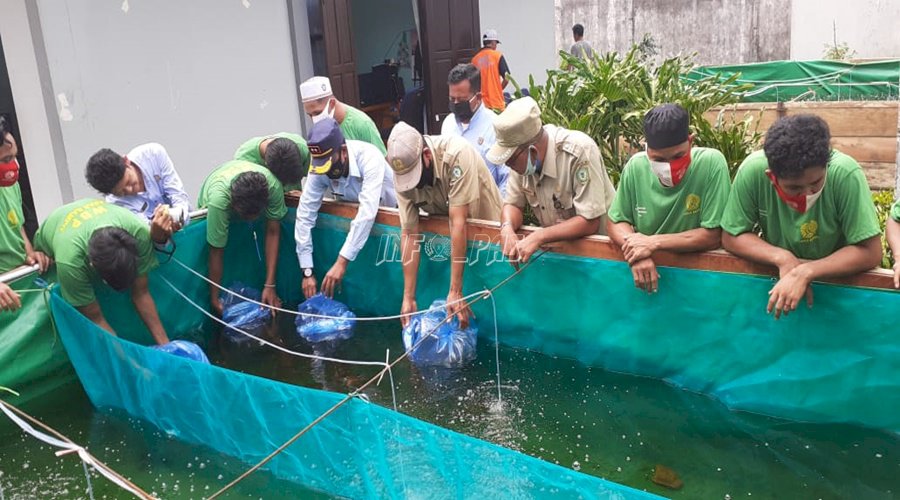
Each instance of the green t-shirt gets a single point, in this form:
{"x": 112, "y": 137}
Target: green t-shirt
{"x": 697, "y": 201}
{"x": 359, "y": 127}
{"x": 843, "y": 215}
{"x": 65, "y": 234}
{"x": 215, "y": 195}
{"x": 249, "y": 151}
{"x": 895, "y": 211}
{"x": 12, "y": 246}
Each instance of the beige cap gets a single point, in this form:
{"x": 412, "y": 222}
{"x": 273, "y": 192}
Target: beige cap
{"x": 404, "y": 154}
{"x": 518, "y": 124}
{"x": 315, "y": 88}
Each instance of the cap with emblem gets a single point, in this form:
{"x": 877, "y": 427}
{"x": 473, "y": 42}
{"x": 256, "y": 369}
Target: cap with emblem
{"x": 490, "y": 36}
{"x": 404, "y": 154}
{"x": 666, "y": 125}
{"x": 518, "y": 124}
{"x": 315, "y": 88}
{"x": 325, "y": 137}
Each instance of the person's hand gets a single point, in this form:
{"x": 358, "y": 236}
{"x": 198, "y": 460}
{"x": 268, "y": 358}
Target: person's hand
{"x": 216, "y": 305}
{"x": 161, "y": 225}
{"x": 787, "y": 265}
{"x": 39, "y": 258}
{"x": 270, "y": 298}
{"x": 645, "y": 275}
{"x": 9, "y": 299}
{"x": 638, "y": 247}
{"x": 409, "y": 306}
{"x": 786, "y": 294}
{"x": 458, "y": 307}
{"x": 509, "y": 240}
{"x": 897, "y": 275}
{"x": 529, "y": 245}
{"x": 334, "y": 277}
{"x": 309, "y": 286}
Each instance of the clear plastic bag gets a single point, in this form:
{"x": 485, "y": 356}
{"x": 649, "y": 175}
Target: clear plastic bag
{"x": 184, "y": 349}
{"x": 447, "y": 346}
{"x": 239, "y": 313}
{"x": 315, "y": 330}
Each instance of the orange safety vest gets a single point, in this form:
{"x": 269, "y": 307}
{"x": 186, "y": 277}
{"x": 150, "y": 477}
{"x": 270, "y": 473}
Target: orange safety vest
{"x": 488, "y": 62}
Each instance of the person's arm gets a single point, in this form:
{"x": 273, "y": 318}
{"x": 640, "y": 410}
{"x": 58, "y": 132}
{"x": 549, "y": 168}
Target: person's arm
{"x": 618, "y": 232}
{"x": 307, "y": 213}
{"x": 9, "y": 299}
{"x": 892, "y": 231}
{"x": 215, "y": 263}
{"x": 503, "y": 68}
{"x": 569, "y": 229}
{"x": 146, "y": 308}
{"x": 410, "y": 240}
{"x": 92, "y": 312}
{"x": 458, "y": 244}
{"x": 32, "y": 256}
{"x": 273, "y": 239}
{"x": 753, "y": 248}
{"x": 638, "y": 246}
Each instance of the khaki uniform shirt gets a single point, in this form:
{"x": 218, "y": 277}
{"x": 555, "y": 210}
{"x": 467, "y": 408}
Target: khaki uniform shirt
{"x": 572, "y": 181}
{"x": 460, "y": 178}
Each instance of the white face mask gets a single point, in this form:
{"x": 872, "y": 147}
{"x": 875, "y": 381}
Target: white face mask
{"x": 326, "y": 113}
{"x": 663, "y": 171}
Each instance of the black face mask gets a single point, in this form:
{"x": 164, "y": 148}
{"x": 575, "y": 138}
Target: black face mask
{"x": 338, "y": 169}
{"x": 462, "y": 111}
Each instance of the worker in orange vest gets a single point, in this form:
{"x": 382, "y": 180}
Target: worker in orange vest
{"x": 494, "y": 71}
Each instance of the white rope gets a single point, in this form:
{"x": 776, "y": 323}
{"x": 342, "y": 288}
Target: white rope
{"x": 490, "y": 295}
{"x": 67, "y": 448}
{"x": 321, "y": 316}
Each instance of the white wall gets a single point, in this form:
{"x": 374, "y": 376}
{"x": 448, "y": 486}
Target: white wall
{"x": 199, "y": 77}
{"x": 527, "y": 35}
{"x": 870, "y": 27}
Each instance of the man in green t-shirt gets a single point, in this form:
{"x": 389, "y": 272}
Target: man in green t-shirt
{"x": 245, "y": 190}
{"x": 319, "y": 102}
{"x": 284, "y": 153}
{"x": 91, "y": 239}
{"x": 670, "y": 198}
{"x": 804, "y": 208}
{"x": 15, "y": 247}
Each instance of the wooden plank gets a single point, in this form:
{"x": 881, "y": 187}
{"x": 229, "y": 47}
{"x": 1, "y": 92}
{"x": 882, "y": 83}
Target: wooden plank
{"x": 600, "y": 247}
{"x": 881, "y": 176}
{"x": 844, "y": 120}
{"x": 867, "y": 149}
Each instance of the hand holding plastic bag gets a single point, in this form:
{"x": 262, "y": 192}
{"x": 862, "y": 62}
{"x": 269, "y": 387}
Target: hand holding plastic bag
{"x": 239, "y": 313}
{"x": 447, "y": 346}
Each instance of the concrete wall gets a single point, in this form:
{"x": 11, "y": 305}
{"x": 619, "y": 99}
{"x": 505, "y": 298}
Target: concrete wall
{"x": 526, "y": 30}
{"x": 199, "y": 77}
{"x": 870, "y": 27}
{"x": 720, "y": 31}
{"x": 377, "y": 28}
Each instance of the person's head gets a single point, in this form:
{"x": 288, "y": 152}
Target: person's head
{"x": 667, "y": 132}
{"x": 464, "y": 84}
{"x": 113, "y": 253}
{"x": 111, "y": 173}
{"x": 9, "y": 150}
{"x": 318, "y": 99}
{"x": 578, "y": 32}
{"x": 797, "y": 149}
{"x": 328, "y": 149}
{"x": 410, "y": 157}
{"x": 284, "y": 160}
{"x": 249, "y": 195}
{"x": 518, "y": 131}
{"x": 490, "y": 38}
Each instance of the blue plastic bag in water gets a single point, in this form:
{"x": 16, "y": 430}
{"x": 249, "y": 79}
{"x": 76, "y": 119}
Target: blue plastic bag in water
{"x": 448, "y": 346}
{"x": 239, "y": 313}
{"x": 184, "y": 349}
{"x": 312, "y": 329}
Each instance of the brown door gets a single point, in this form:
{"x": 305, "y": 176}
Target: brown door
{"x": 339, "y": 52}
{"x": 449, "y": 36}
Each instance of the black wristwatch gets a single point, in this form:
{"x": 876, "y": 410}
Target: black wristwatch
{"x": 307, "y": 272}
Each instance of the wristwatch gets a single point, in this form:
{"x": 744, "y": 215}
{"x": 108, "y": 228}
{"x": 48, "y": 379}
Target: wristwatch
{"x": 307, "y": 272}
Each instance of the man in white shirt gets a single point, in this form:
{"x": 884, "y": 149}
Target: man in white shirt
{"x": 356, "y": 171}
{"x": 469, "y": 118}
{"x": 140, "y": 181}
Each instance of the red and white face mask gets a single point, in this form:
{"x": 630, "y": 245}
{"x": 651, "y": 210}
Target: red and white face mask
{"x": 670, "y": 173}
{"x": 9, "y": 173}
{"x": 798, "y": 202}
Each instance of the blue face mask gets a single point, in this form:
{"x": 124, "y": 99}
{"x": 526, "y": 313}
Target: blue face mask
{"x": 532, "y": 167}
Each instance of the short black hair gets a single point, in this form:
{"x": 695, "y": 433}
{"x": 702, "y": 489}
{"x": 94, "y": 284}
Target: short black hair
{"x": 249, "y": 194}
{"x": 284, "y": 160}
{"x": 466, "y": 71}
{"x": 104, "y": 170}
{"x": 795, "y": 143}
{"x": 5, "y": 128}
{"x": 114, "y": 254}
{"x": 578, "y": 30}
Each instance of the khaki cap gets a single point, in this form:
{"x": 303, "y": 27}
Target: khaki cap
{"x": 404, "y": 155}
{"x": 519, "y": 124}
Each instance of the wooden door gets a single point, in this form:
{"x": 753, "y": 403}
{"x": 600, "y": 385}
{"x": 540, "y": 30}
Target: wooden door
{"x": 340, "y": 54}
{"x": 449, "y": 34}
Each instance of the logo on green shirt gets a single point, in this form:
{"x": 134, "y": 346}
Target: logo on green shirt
{"x": 691, "y": 204}
{"x": 808, "y": 231}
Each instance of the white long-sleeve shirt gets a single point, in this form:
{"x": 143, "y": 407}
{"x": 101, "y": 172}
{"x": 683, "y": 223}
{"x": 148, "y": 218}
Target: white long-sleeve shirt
{"x": 370, "y": 183}
{"x": 162, "y": 185}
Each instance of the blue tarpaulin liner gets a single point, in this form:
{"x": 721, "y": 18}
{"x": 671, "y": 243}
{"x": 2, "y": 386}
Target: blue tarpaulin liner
{"x": 445, "y": 343}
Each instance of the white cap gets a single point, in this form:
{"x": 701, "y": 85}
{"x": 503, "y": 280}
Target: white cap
{"x": 315, "y": 88}
{"x": 490, "y": 36}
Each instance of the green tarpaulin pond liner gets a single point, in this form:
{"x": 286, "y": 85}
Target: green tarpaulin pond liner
{"x": 704, "y": 331}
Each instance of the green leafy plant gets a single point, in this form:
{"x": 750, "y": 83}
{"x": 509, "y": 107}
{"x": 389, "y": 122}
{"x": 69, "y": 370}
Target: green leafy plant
{"x": 884, "y": 200}
{"x": 735, "y": 138}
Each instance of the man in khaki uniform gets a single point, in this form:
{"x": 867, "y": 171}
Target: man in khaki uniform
{"x": 558, "y": 172}
{"x": 442, "y": 175}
